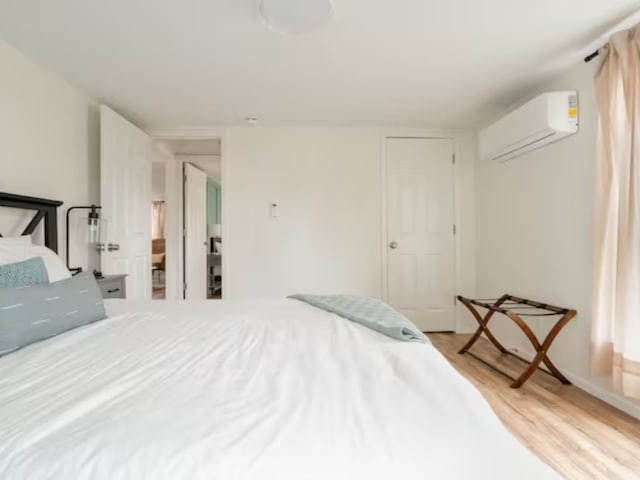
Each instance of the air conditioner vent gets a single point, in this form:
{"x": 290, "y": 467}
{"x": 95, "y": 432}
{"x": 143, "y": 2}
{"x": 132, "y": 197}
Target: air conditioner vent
{"x": 546, "y": 119}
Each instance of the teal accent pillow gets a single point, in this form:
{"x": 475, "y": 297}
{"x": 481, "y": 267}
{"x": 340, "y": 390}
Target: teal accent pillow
{"x": 34, "y": 313}
{"x": 21, "y": 274}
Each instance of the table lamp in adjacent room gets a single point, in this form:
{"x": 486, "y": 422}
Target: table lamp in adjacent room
{"x": 214, "y": 231}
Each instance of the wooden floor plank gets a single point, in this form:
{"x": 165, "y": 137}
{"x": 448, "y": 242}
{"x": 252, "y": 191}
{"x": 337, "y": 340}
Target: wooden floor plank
{"x": 574, "y": 432}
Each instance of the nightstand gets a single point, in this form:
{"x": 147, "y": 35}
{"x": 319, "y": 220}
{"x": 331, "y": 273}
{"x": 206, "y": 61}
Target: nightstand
{"x": 113, "y": 286}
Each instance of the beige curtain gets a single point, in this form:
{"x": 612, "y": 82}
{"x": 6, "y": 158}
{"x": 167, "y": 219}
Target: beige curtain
{"x": 157, "y": 229}
{"x": 615, "y": 338}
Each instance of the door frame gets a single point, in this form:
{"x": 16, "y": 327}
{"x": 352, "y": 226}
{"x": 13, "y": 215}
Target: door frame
{"x": 177, "y": 183}
{"x": 463, "y": 143}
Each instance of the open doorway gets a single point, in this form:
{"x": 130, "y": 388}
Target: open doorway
{"x": 187, "y": 219}
{"x": 159, "y": 158}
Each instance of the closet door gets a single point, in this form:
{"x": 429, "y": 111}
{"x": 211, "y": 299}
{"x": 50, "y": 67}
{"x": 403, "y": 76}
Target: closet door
{"x": 125, "y": 196}
{"x": 420, "y": 221}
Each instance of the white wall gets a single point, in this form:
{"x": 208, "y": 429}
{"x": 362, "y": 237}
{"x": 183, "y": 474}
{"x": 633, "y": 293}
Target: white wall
{"x": 327, "y": 237}
{"x": 48, "y": 143}
{"x": 328, "y": 184}
{"x": 158, "y": 174}
{"x": 535, "y": 234}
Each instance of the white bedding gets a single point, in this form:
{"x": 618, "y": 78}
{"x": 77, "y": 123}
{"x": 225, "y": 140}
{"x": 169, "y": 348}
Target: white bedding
{"x": 262, "y": 390}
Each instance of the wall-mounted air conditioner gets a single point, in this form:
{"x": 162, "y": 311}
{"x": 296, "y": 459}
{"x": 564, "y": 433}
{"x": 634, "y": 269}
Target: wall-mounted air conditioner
{"x": 547, "y": 118}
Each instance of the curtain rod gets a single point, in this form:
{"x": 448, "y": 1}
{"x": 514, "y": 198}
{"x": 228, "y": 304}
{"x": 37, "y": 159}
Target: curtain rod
{"x": 591, "y": 56}
{"x": 630, "y": 21}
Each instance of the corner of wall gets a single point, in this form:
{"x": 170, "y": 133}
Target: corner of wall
{"x": 465, "y": 148}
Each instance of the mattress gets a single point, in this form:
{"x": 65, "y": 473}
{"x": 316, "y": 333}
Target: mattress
{"x": 273, "y": 389}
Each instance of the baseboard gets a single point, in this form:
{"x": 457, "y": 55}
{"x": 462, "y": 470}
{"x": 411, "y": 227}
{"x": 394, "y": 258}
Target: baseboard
{"x": 612, "y": 398}
{"x": 606, "y": 395}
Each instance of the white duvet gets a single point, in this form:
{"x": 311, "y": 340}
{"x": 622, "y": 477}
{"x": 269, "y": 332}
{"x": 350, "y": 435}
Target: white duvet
{"x": 263, "y": 390}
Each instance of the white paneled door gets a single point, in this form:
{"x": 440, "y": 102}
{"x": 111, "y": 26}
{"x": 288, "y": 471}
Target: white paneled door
{"x": 420, "y": 236}
{"x": 125, "y": 196}
{"x": 195, "y": 229}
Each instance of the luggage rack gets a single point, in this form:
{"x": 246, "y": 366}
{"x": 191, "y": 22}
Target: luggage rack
{"x": 515, "y": 308}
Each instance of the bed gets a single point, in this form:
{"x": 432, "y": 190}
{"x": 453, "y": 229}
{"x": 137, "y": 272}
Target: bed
{"x": 270, "y": 389}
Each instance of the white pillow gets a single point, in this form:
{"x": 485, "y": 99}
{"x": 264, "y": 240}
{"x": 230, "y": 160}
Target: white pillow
{"x": 56, "y": 268}
{"x": 23, "y": 240}
{"x": 12, "y": 252}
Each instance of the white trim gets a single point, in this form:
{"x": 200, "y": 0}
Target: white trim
{"x": 417, "y": 133}
{"x": 615, "y": 400}
{"x": 173, "y": 231}
{"x": 224, "y": 198}
{"x": 384, "y": 280}
{"x": 188, "y": 133}
{"x": 201, "y": 133}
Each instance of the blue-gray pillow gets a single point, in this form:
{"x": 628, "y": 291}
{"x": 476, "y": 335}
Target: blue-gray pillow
{"x": 20, "y": 274}
{"x": 33, "y": 313}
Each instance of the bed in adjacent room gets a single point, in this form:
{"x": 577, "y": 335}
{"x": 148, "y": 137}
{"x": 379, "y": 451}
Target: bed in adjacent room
{"x": 271, "y": 389}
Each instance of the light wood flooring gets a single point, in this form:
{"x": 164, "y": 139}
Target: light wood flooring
{"x": 574, "y": 432}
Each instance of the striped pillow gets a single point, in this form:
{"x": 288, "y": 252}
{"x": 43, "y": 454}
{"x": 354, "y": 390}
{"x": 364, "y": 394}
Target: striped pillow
{"x": 20, "y": 274}
{"x": 34, "y": 313}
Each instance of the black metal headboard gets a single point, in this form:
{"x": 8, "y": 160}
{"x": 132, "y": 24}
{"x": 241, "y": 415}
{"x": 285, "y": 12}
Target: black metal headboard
{"x": 46, "y": 210}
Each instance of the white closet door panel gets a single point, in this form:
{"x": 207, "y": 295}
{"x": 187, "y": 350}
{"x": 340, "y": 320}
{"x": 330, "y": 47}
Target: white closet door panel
{"x": 420, "y": 231}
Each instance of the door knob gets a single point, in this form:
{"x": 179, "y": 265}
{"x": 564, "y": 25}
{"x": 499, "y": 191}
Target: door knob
{"x": 393, "y": 245}
{"x": 113, "y": 247}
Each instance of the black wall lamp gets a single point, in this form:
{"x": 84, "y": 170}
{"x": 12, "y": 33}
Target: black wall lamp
{"x": 93, "y": 224}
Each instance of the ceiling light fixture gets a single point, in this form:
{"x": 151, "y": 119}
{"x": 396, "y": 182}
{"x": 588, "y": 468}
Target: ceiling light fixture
{"x": 295, "y": 16}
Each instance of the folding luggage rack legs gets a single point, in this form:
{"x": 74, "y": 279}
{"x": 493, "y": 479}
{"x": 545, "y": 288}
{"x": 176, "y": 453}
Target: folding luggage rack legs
{"x": 512, "y": 305}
